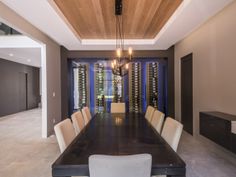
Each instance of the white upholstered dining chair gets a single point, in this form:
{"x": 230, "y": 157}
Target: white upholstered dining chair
{"x": 149, "y": 112}
{"x": 78, "y": 121}
{"x": 157, "y": 120}
{"x": 117, "y": 107}
{"x": 87, "y": 110}
{"x": 171, "y": 132}
{"x": 86, "y": 115}
{"x": 120, "y": 166}
{"x": 65, "y": 133}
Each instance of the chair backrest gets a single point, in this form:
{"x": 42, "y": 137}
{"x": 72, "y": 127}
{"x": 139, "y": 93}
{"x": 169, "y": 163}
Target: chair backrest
{"x": 88, "y": 113}
{"x": 86, "y": 119}
{"x": 78, "y": 121}
{"x": 65, "y": 133}
{"x": 117, "y": 107}
{"x": 120, "y": 166}
{"x": 149, "y": 112}
{"x": 171, "y": 132}
{"x": 157, "y": 120}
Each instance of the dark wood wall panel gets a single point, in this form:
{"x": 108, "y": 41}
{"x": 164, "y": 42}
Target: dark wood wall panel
{"x": 15, "y": 79}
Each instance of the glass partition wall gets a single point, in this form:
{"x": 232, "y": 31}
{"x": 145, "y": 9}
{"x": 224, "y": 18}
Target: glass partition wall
{"x": 117, "y": 82}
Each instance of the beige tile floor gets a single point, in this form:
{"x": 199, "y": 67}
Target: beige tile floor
{"x": 23, "y": 153}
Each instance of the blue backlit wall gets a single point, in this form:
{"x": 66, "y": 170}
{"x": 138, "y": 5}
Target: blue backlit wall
{"x": 162, "y": 83}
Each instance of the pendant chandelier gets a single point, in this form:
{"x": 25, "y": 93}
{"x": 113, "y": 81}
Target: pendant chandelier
{"x": 120, "y": 64}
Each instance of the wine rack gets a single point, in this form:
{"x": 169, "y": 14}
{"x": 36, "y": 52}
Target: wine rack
{"x": 152, "y": 84}
{"x": 81, "y": 93}
{"x": 99, "y": 73}
{"x": 135, "y": 94}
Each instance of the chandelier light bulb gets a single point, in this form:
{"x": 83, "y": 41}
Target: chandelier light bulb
{"x": 114, "y": 62}
{"x": 130, "y": 50}
{"x": 127, "y": 66}
{"x": 118, "y": 52}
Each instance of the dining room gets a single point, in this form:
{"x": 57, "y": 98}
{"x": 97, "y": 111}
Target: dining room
{"x": 133, "y": 88}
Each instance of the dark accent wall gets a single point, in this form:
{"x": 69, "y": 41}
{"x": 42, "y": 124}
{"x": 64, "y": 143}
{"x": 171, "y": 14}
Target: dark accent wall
{"x": 64, "y": 83}
{"x": 168, "y": 54}
{"x": 19, "y": 87}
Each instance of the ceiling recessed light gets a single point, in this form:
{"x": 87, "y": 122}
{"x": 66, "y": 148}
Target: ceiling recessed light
{"x": 11, "y": 54}
{"x": 29, "y": 60}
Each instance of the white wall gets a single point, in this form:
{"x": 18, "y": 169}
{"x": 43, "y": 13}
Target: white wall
{"x": 214, "y": 65}
{"x": 51, "y": 111}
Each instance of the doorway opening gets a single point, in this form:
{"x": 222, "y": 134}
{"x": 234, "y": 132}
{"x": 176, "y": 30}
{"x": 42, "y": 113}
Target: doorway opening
{"x": 21, "y": 61}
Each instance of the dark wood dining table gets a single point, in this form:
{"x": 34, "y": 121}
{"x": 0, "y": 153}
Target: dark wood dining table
{"x": 118, "y": 134}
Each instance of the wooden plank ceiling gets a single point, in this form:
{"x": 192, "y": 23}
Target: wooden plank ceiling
{"x": 95, "y": 19}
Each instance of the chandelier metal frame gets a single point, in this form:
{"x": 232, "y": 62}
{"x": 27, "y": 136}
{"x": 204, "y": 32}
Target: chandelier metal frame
{"x": 120, "y": 64}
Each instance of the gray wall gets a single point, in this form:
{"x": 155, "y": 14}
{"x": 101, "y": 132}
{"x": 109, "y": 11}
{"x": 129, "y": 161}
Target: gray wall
{"x": 12, "y": 98}
{"x": 65, "y": 54}
{"x": 214, "y": 61}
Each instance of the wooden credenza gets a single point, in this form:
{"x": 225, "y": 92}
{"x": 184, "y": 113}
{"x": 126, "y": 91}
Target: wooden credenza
{"x": 220, "y": 128}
